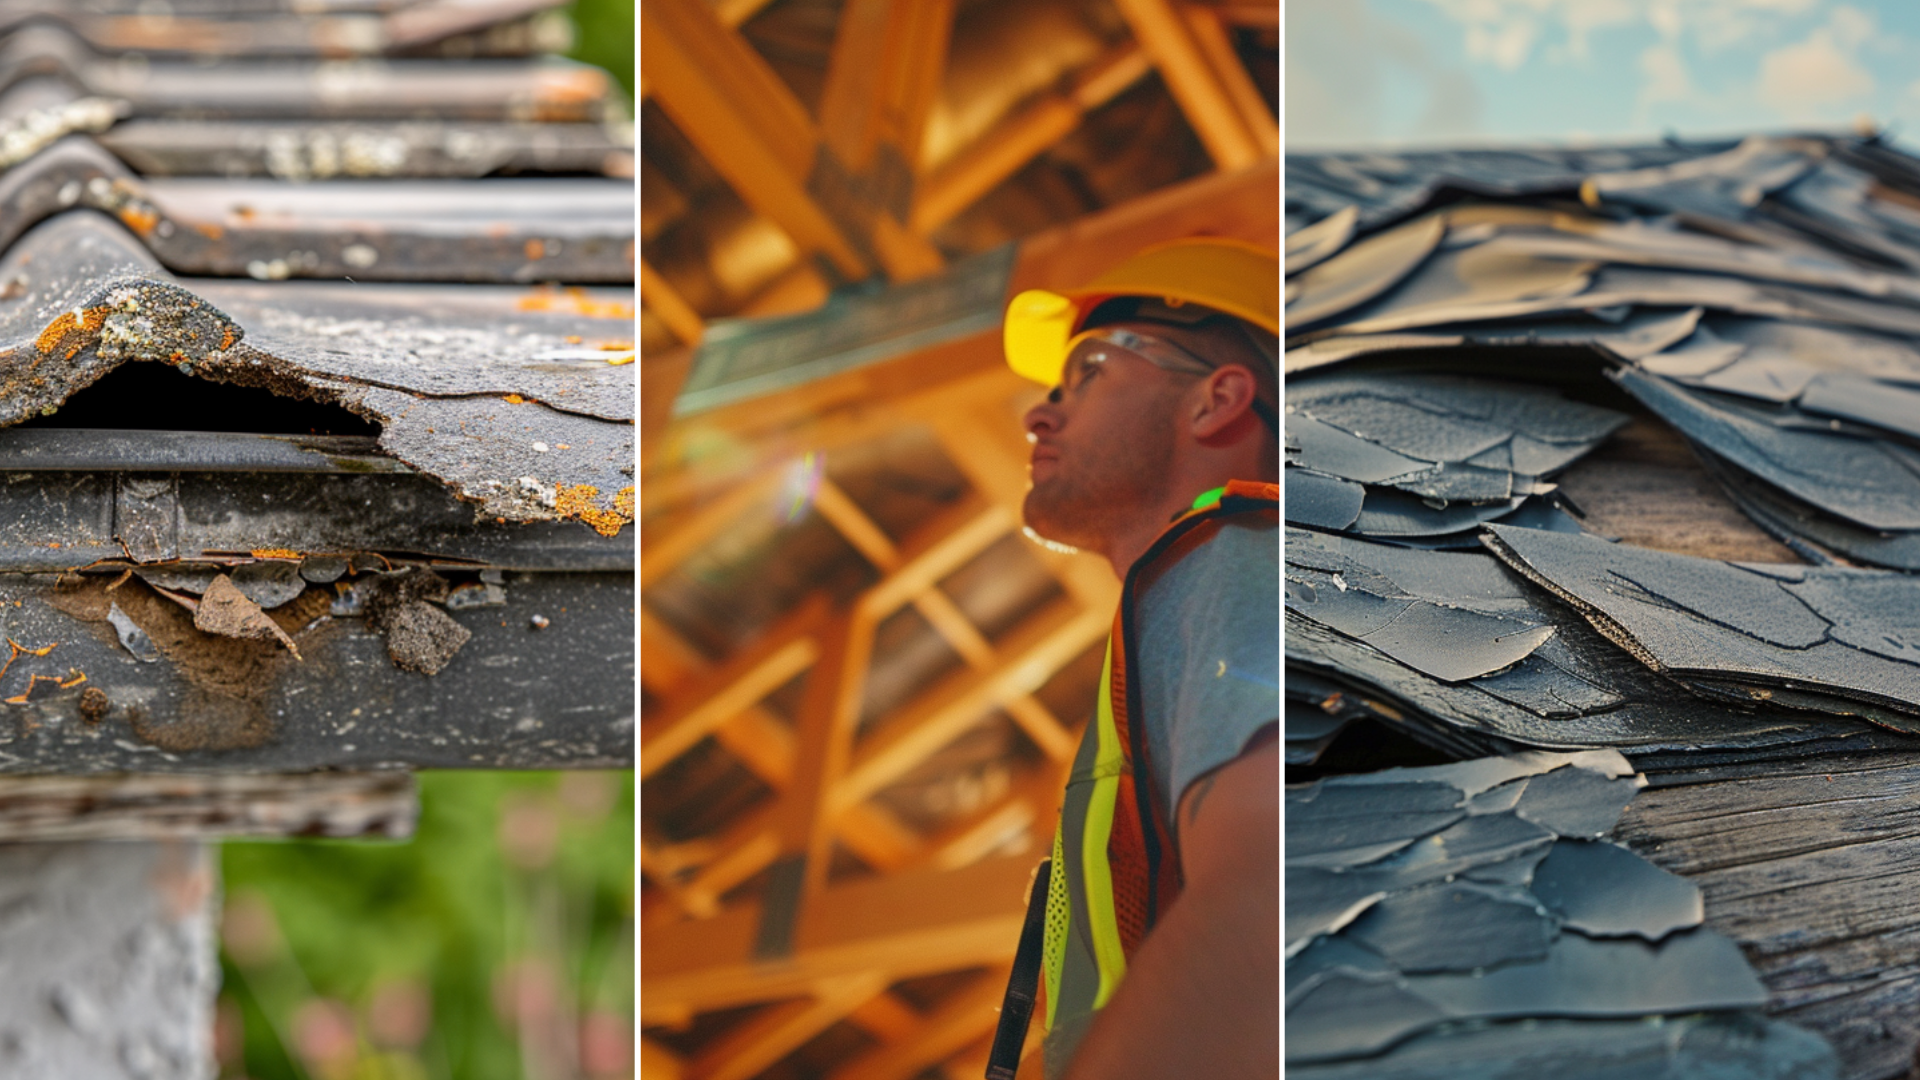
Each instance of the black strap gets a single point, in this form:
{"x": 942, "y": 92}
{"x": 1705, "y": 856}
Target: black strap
{"x": 1016, "y": 1010}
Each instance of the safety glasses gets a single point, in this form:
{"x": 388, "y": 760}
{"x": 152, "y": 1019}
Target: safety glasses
{"x": 1094, "y": 347}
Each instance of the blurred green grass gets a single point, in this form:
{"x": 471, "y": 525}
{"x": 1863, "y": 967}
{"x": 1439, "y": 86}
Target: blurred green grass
{"x": 497, "y": 944}
{"x": 603, "y": 35}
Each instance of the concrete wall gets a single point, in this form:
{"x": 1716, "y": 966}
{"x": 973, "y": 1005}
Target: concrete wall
{"x": 108, "y": 965}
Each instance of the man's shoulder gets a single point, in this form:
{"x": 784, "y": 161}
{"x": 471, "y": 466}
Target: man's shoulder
{"x": 1228, "y": 553}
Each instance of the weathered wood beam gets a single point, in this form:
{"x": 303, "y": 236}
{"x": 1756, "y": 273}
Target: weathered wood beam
{"x": 665, "y": 301}
{"x": 907, "y": 924}
{"x": 1194, "y": 84}
{"x": 733, "y": 108}
{"x": 956, "y": 1024}
{"x": 1004, "y": 150}
{"x": 781, "y": 1029}
{"x": 207, "y": 807}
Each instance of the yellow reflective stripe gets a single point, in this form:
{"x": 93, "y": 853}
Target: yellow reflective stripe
{"x": 1054, "y": 953}
{"x": 1103, "y": 929}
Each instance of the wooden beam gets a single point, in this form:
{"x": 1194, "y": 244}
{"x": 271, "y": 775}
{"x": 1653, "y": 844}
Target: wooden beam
{"x": 882, "y": 79}
{"x": 886, "y": 1018}
{"x": 659, "y": 554}
{"x": 666, "y": 302}
{"x": 941, "y": 612}
{"x": 938, "y": 715}
{"x": 659, "y": 1063}
{"x": 955, "y": 1025}
{"x": 839, "y": 410}
{"x": 968, "y": 175}
{"x": 766, "y": 747}
{"x": 1243, "y": 205}
{"x": 1032, "y": 803}
{"x": 1192, "y": 81}
{"x": 782, "y": 652}
{"x": 735, "y": 12}
{"x": 829, "y": 714}
{"x": 1216, "y": 44}
{"x": 779, "y": 1030}
{"x": 907, "y": 924}
{"x": 729, "y": 103}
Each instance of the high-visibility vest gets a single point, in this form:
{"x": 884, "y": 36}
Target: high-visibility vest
{"x": 1113, "y": 870}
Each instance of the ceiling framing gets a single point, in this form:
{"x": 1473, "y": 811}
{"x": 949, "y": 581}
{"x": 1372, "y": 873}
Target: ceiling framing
{"x": 861, "y": 684}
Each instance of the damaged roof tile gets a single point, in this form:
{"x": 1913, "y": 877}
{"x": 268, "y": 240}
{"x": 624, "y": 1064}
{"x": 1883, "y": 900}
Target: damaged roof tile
{"x": 1402, "y": 945}
{"x": 400, "y": 356}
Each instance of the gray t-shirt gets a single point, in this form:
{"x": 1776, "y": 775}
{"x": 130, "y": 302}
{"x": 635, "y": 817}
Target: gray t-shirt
{"x": 1209, "y": 654}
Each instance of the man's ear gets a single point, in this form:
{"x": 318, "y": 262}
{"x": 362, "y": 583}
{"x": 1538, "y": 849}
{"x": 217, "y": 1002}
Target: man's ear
{"x": 1223, "y": 403}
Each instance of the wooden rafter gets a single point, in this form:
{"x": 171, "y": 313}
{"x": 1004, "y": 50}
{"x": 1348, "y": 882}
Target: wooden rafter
{"x": 780, "y": 1029}
{"x": 1210, "y": 34}
{"x": 908, "y": 925}
{"x": 743, "y": 120}
{"x": 1005, "y": 149}
{"x": 1191, "y": 78}
{"x": 953, "y": 1026}
{"x": 672, "y": 309}
{"x": 882, "y": 80}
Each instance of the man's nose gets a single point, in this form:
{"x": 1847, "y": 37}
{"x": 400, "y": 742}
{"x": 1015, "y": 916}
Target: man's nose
{"x": 1043, "y": 418}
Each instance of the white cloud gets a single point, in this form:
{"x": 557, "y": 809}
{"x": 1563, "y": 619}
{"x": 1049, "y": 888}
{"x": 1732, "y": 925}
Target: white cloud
{"x": 1505, "y": 32}
{"x": 1804, "y": 81}
{"x": 1667, "y": 77}
{"x": 1506, "y": 44}
{"x": 1341, "y": 87}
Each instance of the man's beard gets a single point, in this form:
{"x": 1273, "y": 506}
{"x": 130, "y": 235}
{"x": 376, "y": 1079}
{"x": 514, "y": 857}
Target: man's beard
{"x": 1084, "y": 508}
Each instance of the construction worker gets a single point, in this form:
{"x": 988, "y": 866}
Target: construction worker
{"x": 1152, "y": 933}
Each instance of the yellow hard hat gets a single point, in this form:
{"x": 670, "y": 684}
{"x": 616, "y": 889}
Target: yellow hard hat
{"x": 1232, "y": 276}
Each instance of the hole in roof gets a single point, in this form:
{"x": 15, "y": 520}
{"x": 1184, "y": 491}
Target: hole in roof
{"x": 156, "y": 397}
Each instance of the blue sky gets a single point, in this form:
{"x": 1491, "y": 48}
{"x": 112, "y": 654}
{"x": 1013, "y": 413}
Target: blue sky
{"x": 1379, "y": 73}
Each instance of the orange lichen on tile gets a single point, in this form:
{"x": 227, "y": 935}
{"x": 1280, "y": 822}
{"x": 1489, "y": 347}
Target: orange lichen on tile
{"x": 514, "y": 399}
{"x": 574, "y": 300}
{"x": 535, "y": 249}
{"x": 70, "y": 324}
{"x": 139, "y": 218}
{"x": 274, "y": 553}
{"x": 578, "y": 502}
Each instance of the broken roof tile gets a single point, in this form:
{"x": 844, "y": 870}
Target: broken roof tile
{"x": 94, "y": 299}
{"x": 1859, "y": 479}
{"x": 1397, "y": 946}
{"x": 1730, "y": 630}
{"x": 1603, "y": 890}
